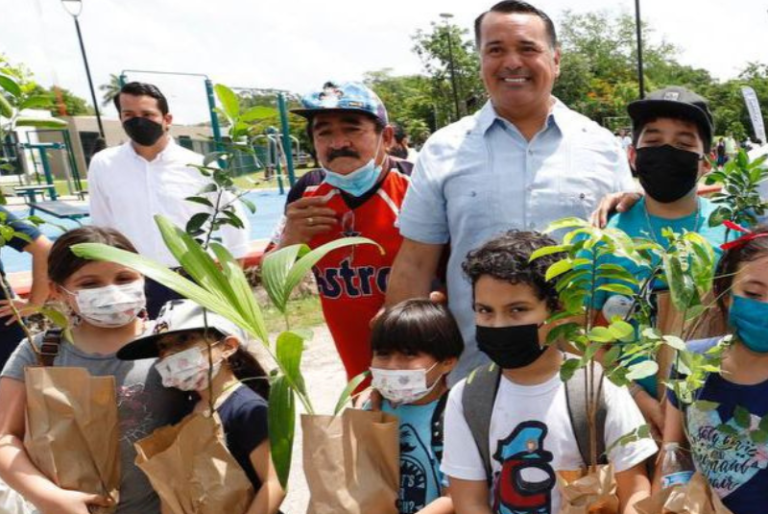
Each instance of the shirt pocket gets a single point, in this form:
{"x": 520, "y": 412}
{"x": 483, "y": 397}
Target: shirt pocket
{"x": 470, "y": 203}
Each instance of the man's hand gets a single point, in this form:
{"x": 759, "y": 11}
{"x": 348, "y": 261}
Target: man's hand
{"x": 306, "y": 218}
{"x": 618, "y": 202}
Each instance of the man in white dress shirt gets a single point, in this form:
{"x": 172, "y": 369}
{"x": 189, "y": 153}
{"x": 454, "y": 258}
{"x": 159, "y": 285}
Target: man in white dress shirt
{"x": 148, "y": 175}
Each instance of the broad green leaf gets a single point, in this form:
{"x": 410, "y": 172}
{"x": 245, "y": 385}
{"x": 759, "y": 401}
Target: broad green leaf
{"x": 720, "y": 215}
{"x": 642, "y": 370}
{"x": 213, "y": 157}
{"x": 566, "y": 223}
{"x": 248, "y": 306}
{"x": 558, "y": 269}
{"x": 620, "y": 329}
{"x": 160, "y": 273}
{"x": 308, "y": 260}
{"x": 197, "y": 221}
{"x": 49, "y": 123}
{"x": 274, "y": 272}
{"x": 200, "y": 200}
{"x": 288, "y": 350}
{"x": 742, "y": 416}
{"x": 248, "y": 204}
{"x": 6, "y": 109}
{"x": 675, "y": 342}
{"x": 281, "y": 421}
{"x": 764, "y": 423}
{"x": 229, "y": 101}
{"x": 548, "y": 250}
{"x": 258, "y": 113}
{"x": 705, "y": 405}
{"x": 759, "y": 436}
{"x": 568, "y": 368}
{"x": 563, "y": 332}
{"x": 611, "y": 356}
{"x": 196, "y": 261}
{"x": 601, "y": 335}
{"x": 36, "y": 102}
{"x": 346, "y": 395}
{"x": 10, "y": 85}
{"x": 727, "y": 429}
{"x": 618, "y": 289}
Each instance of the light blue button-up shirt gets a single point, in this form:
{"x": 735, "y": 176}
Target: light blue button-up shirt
{"x": 480, "y": 177}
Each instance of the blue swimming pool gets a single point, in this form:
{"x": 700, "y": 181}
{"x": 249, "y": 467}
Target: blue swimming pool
{"x": 269, "y": 207}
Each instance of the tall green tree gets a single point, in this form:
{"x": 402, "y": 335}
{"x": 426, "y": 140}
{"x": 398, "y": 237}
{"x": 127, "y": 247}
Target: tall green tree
{"x": 110, "y": 90}
{"x": 435, "y": 49}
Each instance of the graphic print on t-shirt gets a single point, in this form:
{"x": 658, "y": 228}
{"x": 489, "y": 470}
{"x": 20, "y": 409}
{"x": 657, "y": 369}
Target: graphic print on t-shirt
{"x": 414, "y": 472}
{"x": 728, "y": 461}
{"x": 526, "y": 480}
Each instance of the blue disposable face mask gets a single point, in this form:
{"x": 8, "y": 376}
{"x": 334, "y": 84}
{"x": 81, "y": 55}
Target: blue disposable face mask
{"x": 359, "y": 181}
{"x": 749, "y": 318}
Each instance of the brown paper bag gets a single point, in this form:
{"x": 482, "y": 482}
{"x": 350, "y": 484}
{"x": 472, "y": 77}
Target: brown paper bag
{"x": 191, "y": 469}
{"x": 73, "y": 430}
{"x": 352, "y": 462}
{"x": 695, "y": 497}
{"x": 588, "y": 493}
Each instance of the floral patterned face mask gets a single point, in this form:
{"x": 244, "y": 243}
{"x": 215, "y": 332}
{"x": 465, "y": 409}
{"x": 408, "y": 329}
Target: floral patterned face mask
{"x": 187, "y": 370}
{"x": 111, "y": 306}
{"x": 401, "y": 386}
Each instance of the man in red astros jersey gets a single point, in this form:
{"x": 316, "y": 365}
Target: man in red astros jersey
{"x": 357, "y": 192}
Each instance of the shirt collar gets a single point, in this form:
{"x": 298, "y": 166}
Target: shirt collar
{"x": 488, "y": 117}
{"x": 168, "y": 150}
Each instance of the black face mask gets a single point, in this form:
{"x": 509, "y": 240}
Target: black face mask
{"x": 143, "y": 131}
{"x": 666, "y": 173}
{"x": 510, "y": 347}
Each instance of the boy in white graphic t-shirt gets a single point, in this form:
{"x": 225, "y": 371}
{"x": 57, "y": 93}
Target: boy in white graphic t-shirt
{"x": 528, "y": 434}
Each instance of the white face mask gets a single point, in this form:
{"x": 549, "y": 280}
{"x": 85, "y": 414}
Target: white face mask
{"x": 401, "y": 386}
{"x": 187, "y": 370}
{"x": 111, "y": 306}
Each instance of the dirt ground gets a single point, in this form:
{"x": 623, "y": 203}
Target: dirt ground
{"x": 325, "y": 380}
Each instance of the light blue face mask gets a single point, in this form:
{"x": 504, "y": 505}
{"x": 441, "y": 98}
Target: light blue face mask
{"x": 359, "y": 181}
{"x": 749, "y": 318}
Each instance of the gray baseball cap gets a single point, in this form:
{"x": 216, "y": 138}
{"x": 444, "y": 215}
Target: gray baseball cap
{"x": 178, "y": 316}
{"x": 673, "y": 101}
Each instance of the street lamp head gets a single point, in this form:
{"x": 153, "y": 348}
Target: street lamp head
{"x": 73, "y": 7}
{"x": 446, "y": 16}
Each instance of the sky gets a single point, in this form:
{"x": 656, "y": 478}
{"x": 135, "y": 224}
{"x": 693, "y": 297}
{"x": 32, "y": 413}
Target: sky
{"x": 297, "y": 45}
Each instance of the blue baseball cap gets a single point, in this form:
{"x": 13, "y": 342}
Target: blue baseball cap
{"x": 349, "y": 97}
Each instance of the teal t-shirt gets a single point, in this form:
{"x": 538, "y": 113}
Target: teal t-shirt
{"x": 637, "y": 224}
{"x": 420, "y": 478}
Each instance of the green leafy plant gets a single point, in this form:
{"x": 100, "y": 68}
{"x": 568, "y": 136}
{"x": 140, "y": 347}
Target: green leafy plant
{"x": 218, "y": 283}
{"x": 739, "y": 198}
{"x": 17, "y": 93}
{"x": 626, "y": 347}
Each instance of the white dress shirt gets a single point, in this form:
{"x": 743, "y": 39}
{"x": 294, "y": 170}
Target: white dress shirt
{"x": 126, "y": 191}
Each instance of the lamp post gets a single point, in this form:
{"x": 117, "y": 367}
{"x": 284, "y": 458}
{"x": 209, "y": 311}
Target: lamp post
{"x": 447, "y": 16}
{"x": 74, "y": 8}
{"x": 639, "y": 29}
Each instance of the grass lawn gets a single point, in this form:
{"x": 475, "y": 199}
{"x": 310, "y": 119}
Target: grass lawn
{"x": 303, "y": 313}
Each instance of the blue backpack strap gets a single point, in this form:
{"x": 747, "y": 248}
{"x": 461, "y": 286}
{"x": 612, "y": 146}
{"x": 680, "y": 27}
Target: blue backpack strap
{"x": 477, "y": 400}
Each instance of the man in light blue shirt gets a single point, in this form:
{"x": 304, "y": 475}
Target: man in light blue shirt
{"x": 523, "y": 161}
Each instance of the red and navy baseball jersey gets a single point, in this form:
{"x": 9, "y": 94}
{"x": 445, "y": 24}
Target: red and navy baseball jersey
{"x": 353, "y": 281}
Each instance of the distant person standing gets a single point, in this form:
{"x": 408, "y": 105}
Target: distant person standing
{"x": 148, "y": 175}
{"x": 402, "y": 147}
{"x": 720, "y": 149}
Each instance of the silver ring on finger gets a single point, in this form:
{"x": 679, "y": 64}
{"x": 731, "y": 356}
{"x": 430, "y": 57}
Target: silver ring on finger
{"x": 310, "y": 221}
